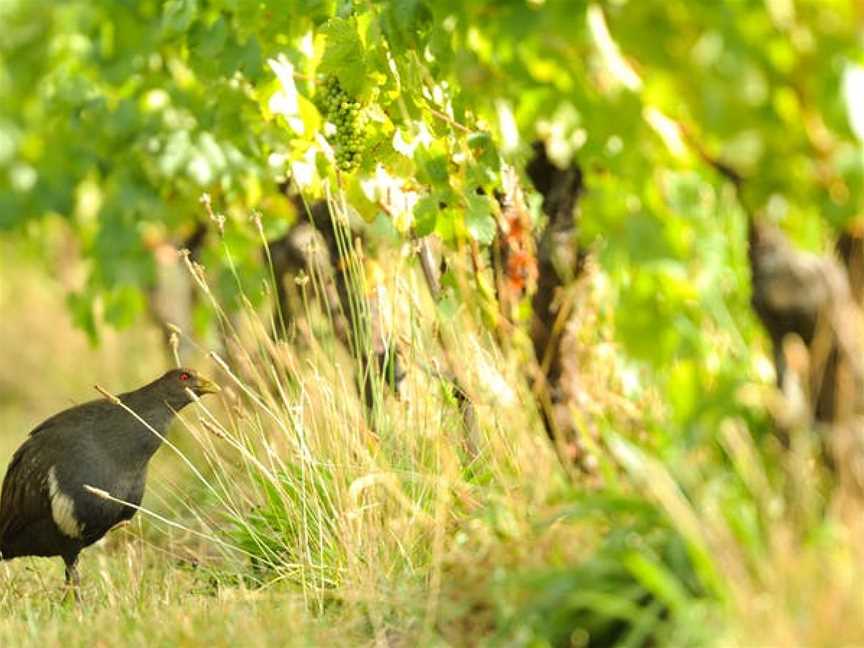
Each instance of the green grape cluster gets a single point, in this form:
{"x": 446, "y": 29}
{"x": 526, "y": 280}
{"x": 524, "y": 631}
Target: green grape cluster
{"x": 344, "y": 112}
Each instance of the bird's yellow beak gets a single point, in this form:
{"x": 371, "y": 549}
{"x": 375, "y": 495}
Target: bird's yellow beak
{"x": 206, "y": 386}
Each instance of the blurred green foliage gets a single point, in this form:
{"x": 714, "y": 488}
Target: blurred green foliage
{"x": 118, "y": 115}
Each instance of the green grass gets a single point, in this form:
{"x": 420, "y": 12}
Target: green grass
{"x": 136, "y": 595}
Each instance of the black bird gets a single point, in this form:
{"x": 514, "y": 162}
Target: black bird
{"x": 45, "y": 509}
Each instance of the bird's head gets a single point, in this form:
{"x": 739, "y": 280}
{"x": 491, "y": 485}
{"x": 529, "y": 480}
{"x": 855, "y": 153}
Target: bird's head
{"x": 177, "y": 383}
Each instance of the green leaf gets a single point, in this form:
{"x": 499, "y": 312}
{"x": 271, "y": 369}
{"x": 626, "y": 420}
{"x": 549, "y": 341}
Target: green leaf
{"x": 81, "y": 308}
{"x": 208, "y": 42}
{"x": 484, "y": 150}
{"x": 245, "y": 58}
{"x": 447, "y": 224}
{"x": 123, "y": 305}
{"x": 425, "y": 215}
{"x": 479, "y": 220}
{"x": 411, "y": 15}
{"x": 404, "y": 20}
{"x": 344, "y": 56}
{"x": 432, "y": 165}
{"x": 382, "y": 229}
{"x": 178, "y": 15}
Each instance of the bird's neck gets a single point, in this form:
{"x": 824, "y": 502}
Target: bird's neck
{"x": 143, "y": 436}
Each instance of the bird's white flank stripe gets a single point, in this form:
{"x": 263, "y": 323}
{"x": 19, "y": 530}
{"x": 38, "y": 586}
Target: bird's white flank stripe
{"x": 62, "y": 507}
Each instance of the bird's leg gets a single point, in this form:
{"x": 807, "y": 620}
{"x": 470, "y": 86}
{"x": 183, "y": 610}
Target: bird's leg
{"x": 73, "y": 581}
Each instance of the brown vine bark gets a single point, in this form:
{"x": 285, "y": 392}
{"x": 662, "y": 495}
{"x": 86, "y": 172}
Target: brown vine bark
{"x": 558, "y": 258}
{"x": 804, "y": 295}
{"x": 312, "y": 245}
{"x": 810, "y": 308}
{"x": 559, "y": 263}
{"x": 850, "y": 248}
{"x": 173, "y": 297}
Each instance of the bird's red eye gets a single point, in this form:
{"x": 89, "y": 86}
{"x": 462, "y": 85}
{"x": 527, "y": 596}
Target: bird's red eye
{"x": 184, "y": 376}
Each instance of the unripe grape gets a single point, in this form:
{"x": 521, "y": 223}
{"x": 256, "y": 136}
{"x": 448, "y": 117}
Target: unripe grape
{"x": 345, "y": 113}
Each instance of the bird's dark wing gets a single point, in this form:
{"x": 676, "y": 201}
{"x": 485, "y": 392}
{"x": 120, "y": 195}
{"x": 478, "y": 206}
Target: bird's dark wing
{"x": 83, "y": 413}
{"x": 25, "y": 497}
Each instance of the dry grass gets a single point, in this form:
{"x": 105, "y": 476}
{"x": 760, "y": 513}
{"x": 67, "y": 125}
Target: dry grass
{"x": 303, "y": 523}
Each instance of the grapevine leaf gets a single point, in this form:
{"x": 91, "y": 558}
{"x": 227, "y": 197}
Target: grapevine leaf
{"x": 483, "y": 149}
{"x": 446, "y": 225}
{"x": 404, "y": 21}
{"x": 425, "y": 215}
{"x": 479, "y": 219}
{"x": 344, "y": 56}
{"x": 384, "y": 229}
{"x": 80, "y": 307}
{"x": 245, "y": 58}
{"x": 432, "y": 166}
{"x": 208, "y": 42}
{"x": 122, "y": 306}
{"x": 178, "y": 15}
{"x": 366, "y": 208}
